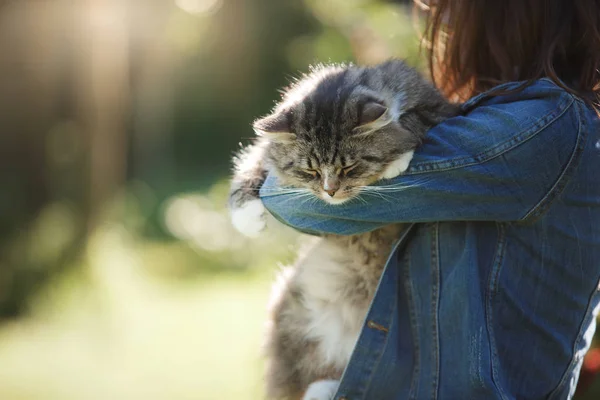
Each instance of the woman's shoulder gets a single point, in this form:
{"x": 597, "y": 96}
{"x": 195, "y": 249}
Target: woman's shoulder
{"x": 492, "y": 124}
{"x": 539, "y": 95}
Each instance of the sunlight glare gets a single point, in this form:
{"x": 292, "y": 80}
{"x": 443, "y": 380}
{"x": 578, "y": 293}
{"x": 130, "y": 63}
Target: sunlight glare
{"x": 198, "y": 6}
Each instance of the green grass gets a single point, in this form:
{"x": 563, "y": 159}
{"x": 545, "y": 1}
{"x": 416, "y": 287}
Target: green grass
{"x": 113, "y": 330}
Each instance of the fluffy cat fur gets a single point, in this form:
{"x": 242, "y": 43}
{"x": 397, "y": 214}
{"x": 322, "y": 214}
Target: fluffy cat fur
{"x": 337, "y": 130}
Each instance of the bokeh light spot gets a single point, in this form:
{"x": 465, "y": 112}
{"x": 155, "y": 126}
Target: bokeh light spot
{"x": 198, "y": 6}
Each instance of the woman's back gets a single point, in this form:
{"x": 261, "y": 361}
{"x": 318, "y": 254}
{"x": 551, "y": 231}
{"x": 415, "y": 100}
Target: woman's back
{"x": 500, "y": 270}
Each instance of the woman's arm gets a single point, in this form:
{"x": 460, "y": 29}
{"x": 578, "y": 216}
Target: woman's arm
{"x": 504, "y": 161}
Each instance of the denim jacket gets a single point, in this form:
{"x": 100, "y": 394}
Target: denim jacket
{"x": 494, "y": 288}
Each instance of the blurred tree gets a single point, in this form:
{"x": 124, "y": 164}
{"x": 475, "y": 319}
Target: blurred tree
{"x": 99, "y": 93}
{"x": 34, "y": 169}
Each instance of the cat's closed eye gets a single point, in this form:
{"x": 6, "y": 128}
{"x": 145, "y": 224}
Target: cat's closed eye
{"x": 310, "y": 172}
{"x": 348, "y": 169}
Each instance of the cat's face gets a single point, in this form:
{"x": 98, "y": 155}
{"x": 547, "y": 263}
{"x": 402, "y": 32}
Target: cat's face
{"x": 335, "y": 151}
{"x": 341, "y": 128}
{"x": 333, "y": 173}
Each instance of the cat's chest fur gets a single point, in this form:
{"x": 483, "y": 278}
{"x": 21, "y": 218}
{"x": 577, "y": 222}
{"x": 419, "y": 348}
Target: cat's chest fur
{"x": 338, "y": 279}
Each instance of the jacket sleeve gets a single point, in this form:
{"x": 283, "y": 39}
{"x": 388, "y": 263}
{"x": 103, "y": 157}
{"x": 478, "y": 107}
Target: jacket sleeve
{"x": 504, "y": 161}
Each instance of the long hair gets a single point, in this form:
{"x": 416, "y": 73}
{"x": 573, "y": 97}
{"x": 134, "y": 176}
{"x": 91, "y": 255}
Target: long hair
{"x": 474, "y": 45}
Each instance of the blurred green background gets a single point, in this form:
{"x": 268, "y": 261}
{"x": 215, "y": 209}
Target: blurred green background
{"x": 120, "y": 275}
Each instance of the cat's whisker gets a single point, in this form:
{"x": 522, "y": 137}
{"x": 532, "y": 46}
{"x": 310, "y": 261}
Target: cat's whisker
{"x": 371, "y": 190}
{"x": 391, "y": 188}
{"x": 276, "y": 190}
{"x": 279, "y": 188}
{"x": 404, "y": 185}
{"x": 383, "y": 196}
{"x": 378, "y": 194}
{"x": 300, "y": 197}
{"x": 309, "y": 200}
{"x": 260, "y": 186}
{"x": 364, "y": 201}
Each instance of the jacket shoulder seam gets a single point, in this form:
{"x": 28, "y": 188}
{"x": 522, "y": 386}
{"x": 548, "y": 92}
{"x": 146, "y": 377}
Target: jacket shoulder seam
{"x": 541, "y": 206}
{"x": 499, "y": 149}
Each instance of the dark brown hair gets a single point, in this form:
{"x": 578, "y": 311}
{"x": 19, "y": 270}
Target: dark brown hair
{"x": 474, "y": 45}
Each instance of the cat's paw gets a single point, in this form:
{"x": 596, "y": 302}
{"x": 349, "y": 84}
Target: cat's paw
{"x": 321, "y": 390}
{"x": 399, "y": 166}
{"x": 250, "y": 218}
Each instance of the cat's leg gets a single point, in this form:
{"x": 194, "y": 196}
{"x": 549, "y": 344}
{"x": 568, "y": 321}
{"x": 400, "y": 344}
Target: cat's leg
{"x": 321, "y": 390}
{"x": 249, "y": 218}
{"x": 294, "y": 359}
{"x": 398, "y": 166}
{"x": 288, "y": 352}
{"x": 246, "y": 208}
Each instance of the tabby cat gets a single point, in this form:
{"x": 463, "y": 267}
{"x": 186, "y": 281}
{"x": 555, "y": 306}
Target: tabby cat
{"x": 336, "y": 132}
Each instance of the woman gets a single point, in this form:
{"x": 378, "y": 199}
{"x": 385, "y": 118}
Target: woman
{"x": 494, "y": 290}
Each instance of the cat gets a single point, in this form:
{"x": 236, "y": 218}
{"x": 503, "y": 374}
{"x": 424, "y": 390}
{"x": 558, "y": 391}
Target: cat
{"x": 337, "y": 130}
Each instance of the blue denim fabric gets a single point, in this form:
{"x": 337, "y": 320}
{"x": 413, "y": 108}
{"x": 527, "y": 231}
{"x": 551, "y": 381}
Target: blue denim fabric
{"x": 493, "y": 290}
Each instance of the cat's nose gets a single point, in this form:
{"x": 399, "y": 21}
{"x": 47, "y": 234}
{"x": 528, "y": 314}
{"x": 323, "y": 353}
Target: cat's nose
{"x": 330, "y": 186}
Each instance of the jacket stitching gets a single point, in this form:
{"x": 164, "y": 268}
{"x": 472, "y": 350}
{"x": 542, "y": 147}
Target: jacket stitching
{"x": 413, "y": 326}
{"x": 566, "y": 173}
{"x": 491, "y": 293}
{"x": 435, "y": 268}
{"x": 497, "y": 150}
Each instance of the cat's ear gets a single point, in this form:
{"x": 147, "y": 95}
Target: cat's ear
{"x": 372, "y": 115}
{"x": 371, "y": 112}
{"x": 275, "y": 128}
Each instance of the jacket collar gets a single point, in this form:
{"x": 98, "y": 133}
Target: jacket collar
{"x": 478, "y": 99}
